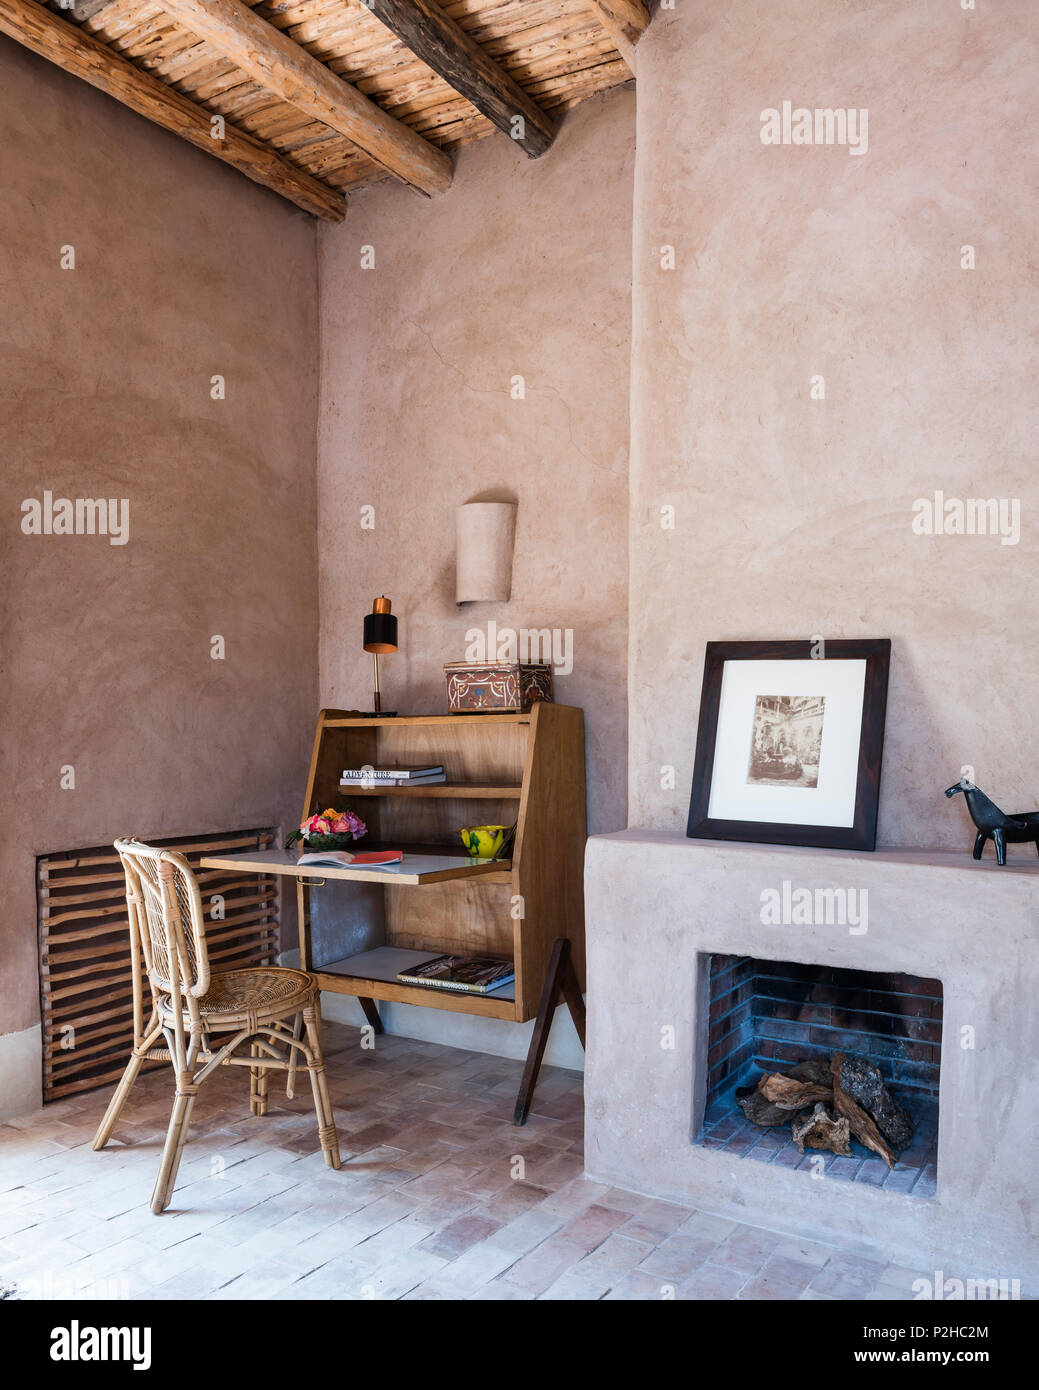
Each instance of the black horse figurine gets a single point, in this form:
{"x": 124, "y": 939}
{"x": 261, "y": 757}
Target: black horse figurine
{"x": 991, "y": 821}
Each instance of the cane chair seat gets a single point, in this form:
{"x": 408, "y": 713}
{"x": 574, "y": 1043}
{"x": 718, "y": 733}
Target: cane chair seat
{"x": 259, "y": 995}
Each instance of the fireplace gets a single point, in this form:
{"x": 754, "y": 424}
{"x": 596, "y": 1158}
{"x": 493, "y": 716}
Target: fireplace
{"x": 765, "y": 1015}
{"x": 663, "y": 904}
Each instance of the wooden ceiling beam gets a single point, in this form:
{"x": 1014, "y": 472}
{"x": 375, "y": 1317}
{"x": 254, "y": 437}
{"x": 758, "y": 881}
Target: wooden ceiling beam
{"x": 79, "y": 53}
{"x": 79, "y": 10}
{"x": 434, "y": 37}
{"x": 288, "y": 71}
{"x": 625, "y": 21}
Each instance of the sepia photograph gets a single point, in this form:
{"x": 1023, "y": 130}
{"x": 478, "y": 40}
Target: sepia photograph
{"x": 788, "y": 733}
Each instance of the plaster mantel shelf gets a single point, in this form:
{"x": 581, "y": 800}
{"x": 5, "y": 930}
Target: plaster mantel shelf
{"x": 951, "y": 861}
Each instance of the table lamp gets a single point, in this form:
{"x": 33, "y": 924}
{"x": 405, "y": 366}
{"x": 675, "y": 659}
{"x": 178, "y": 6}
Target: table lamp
{"x": 380, "y": 636}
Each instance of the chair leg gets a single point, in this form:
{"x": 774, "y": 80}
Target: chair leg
{"x": 297, "y": 1028}
{"x": 326, "y": 1126}
{"x": 174, "y": 1147}
{"x": 257, "y": 1085}
{"x": 119, "y": 1095}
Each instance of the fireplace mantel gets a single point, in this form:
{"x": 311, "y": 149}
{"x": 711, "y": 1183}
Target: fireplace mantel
{"x": 659, "y": 904}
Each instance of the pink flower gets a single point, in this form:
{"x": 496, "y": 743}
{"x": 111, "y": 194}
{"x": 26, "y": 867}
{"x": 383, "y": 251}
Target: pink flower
{"x": 330, "y": 822}
{"x": 349, "y": 823}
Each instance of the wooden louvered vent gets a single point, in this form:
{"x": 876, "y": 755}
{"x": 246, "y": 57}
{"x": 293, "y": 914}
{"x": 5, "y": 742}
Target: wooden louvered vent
{"x": 85, "y": 986}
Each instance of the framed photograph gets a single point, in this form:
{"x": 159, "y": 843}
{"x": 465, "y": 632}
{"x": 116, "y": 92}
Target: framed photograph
{"x": 789, "y": 744}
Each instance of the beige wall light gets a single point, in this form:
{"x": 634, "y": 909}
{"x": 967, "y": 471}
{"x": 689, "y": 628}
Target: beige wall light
{"x": 486, "y": 532}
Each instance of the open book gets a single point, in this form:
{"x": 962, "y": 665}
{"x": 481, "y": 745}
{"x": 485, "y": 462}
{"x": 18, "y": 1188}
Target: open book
{"x": 343, "y": 859}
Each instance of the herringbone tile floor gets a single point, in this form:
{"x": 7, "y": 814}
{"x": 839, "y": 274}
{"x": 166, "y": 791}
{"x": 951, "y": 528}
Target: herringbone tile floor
{"x": 439, "y": 1197}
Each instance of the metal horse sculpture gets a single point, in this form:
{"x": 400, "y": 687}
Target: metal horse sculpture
{"x": 990, "y": 821}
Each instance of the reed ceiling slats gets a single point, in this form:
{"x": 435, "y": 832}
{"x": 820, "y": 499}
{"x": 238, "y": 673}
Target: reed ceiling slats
{"x": 334, "y": 96}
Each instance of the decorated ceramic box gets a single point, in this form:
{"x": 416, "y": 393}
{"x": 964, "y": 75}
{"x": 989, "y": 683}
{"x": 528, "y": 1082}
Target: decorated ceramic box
{"x": 502, "y": 687}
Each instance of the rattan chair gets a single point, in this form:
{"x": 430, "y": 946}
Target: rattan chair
{"x": 206, "y": 1018}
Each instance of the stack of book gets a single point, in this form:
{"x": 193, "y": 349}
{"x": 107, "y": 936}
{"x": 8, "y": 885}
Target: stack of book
{"x": 463, "y": 974}
{"x": 391, "y": 776}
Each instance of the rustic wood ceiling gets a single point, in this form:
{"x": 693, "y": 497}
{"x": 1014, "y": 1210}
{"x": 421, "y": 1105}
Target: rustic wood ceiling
{"x": 317, "y": 97}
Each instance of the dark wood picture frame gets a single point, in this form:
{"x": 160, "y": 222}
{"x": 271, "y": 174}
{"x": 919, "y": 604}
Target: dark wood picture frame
{"x": 862, "y": 834}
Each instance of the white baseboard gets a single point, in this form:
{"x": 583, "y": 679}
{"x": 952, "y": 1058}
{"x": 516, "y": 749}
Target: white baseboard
{"x": 21, "y": 1072}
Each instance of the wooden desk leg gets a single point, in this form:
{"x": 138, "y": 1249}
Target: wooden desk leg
{"x": 560, "y": 979}
{"x": 572, "y": 994}
{"x": 371, "y": 1012}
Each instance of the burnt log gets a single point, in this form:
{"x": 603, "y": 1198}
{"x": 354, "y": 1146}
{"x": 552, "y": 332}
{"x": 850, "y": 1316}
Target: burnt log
{"x": 863, "y": 1082}
{"x": 862, "y": 1125}
{"x": 821, "y": 1129}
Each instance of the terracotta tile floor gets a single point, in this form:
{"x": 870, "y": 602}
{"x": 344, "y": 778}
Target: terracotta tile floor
{"x": 440, "y": 1197}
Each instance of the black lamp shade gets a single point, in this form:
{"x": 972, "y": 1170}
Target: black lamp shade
{"x": 380, "y": 632}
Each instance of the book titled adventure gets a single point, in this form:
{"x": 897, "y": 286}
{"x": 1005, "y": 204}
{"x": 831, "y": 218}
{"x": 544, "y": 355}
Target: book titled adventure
{"x": 464, "y": 974}
{"x": 391, "y": 775}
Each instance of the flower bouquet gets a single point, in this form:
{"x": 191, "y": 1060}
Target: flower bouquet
{"x": 329, "y": 829}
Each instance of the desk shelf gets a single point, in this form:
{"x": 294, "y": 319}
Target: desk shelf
{"x": 339, "y": 720}
{"x": 461, "y": 790}
{"x": 420, "y": 866}
{"x": 374, "y": 974}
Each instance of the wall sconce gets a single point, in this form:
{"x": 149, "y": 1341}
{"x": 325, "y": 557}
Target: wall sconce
{"x": 380, "y": 636}
{"x": 485, "y": 535}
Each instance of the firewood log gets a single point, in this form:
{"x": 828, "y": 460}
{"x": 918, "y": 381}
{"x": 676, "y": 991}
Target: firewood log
{"x": 862, "y": 1081}
{"x": 821, "y": 1129}
{"x": 815, "y": 1069}
{"x": 862, "y": 1126}
{"x": 760, "y": 1111}
{"x": 791, "y": 1094}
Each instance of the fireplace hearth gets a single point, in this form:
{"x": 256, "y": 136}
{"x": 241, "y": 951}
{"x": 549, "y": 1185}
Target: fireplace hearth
{"x": 765, "y": 1016}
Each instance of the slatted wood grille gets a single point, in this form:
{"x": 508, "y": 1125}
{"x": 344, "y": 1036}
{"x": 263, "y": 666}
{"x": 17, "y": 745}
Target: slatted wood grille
{"x": 85, "y": 977}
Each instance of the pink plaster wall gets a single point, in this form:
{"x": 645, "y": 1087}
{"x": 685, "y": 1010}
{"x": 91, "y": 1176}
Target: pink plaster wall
{"x": 522, "y": 268}
{"x": 793, "y": 516}
{"x": 183, "y": 269}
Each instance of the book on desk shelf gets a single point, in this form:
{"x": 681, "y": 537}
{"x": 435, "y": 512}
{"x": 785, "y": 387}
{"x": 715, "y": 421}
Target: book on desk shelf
{"x": 343, "y": 859}
{"x": 433, "y": 772}
{"x": 370, "y": 783}
{"x": 463, "y": 974}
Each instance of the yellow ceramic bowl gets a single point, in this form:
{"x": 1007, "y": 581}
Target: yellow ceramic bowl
{"x": 483, "y": 841}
